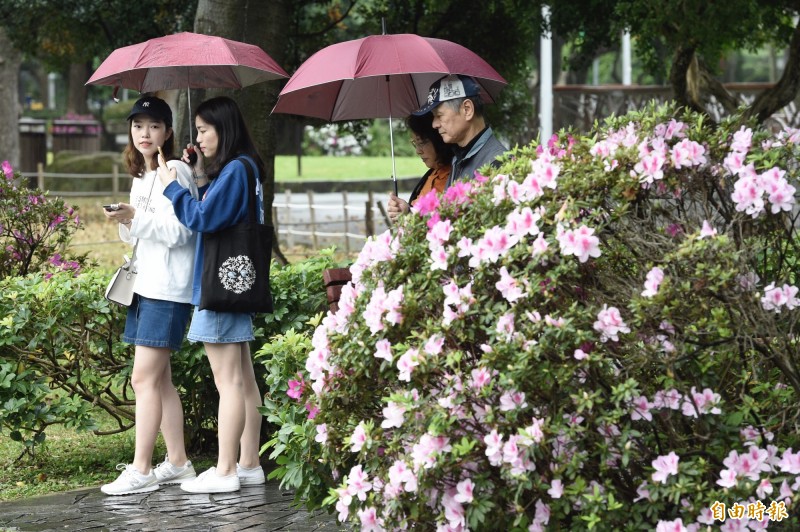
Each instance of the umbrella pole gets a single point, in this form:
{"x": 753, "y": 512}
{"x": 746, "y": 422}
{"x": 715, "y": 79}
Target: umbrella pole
{"x": 391, "y": 135}
{"x": 189, "y": 100}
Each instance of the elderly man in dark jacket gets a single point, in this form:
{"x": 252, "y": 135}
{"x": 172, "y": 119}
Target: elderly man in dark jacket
{"x": 458, "y": 115}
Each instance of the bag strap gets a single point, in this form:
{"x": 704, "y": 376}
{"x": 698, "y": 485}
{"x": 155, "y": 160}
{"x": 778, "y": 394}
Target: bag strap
{"x": 251, "y": 190}
{"x": 136, "y": 245}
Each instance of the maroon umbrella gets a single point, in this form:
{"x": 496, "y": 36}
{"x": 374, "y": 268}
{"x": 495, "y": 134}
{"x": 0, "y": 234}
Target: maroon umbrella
{"x": 186, "y": 61}
{"x": 381, "y": 76}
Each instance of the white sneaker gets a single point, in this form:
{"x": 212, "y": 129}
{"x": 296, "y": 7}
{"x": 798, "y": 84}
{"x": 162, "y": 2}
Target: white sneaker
{"x": 131, "y": 481}
{"x": 209, "y": 482}
{"x": 250, "y": 476}
{"x": 172, "y": 474}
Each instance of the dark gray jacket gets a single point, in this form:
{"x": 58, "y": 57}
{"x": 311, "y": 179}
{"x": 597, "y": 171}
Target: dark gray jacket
{"x": 485, "y": 150}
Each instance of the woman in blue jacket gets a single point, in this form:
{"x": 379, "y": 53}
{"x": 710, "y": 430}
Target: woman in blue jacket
{"x": 222, "y": 136}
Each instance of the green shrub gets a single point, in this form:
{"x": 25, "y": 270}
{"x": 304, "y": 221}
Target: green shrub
{"x": 299, "y": 297}
{"x": 603, "y": 335}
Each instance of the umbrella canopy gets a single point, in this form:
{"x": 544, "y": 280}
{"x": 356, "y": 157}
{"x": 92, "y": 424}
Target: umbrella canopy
{"x": 186, "y": 61}
{"x": 379, "y": 76}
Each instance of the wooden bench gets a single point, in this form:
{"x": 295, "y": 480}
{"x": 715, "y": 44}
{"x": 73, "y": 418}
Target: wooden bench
{"x": 335, "y": 279}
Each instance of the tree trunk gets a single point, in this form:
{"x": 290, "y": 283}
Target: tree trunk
{"x": 77, "y": 92}
{"x": 770, "y": 101}
{"x": 264, "y": 24}
{"x": 684, "y": 84}
{"x": 10, "y": 60}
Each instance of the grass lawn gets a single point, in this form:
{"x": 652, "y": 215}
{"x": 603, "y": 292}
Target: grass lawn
{"x": 318, "y": 168}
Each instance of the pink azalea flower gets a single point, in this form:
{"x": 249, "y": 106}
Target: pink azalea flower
{"x": 509, "y": 288}
{"x": 505, "y": 325}
{"x": 609, "y": 324}
{"x": 440, "y": 232}
{"x": 358, "y": 438}
{"x": 383, "y": 349}
{"x": 407, "y": 363}
{"x": 707, "y": 230}
{"x": 775, "y": 298}
{"x": 512, "y": 400}
{"x": 358, "y": 483}
{"x": 401, "y": 476}
{"x": 579, "y": 354}
{"x": 438, "y": 258}
{"x": 343, "y": 504}
{"x": 464, "y": 491}
{"x": 652, "y": 282}
{"x": 650, "y": 167}
{"x": 427, "y": 203}
{"x": 369, "y": 520}
{"x": 296, "y": 388}
{"x": 8, "y": 170}
{"x": 480, "y": 377}
{"x": 665, "y": 466}
{"x": 540, "y": 245}
{"x": 522, "y": 222}
{"x": 727, "y": 478}
{"x": 641, "y": 409}
{"x": 556, "y": 489}
{"x": 393, "y": 415}
{"x": 458, "y": 192}
{"x": 322, "y": 434}
{"x": 494, "y": 447}
{"x": 742, "y": 140}
{"x": 434, "y": 345}
{"x": 790, "y": 462}
{"x": 671, "y": 526}
{"x": 312, "y": 410}
{"x": 580, "y": 242}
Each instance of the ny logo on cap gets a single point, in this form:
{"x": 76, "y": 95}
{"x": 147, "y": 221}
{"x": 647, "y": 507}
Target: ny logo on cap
{"x": 145, "y": 104}
{"x": 432, "y": 95}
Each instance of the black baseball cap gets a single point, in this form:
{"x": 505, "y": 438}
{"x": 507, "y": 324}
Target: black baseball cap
{"x": 449, "y": 88}
{"x": 154, "y": 107}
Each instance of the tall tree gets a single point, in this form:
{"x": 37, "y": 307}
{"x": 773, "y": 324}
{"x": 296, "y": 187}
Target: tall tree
{"x": 9, "y": 112}
{"x": 264, "y": 24}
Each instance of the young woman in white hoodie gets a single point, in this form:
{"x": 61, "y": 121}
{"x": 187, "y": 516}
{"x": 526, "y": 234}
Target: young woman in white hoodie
{"x": 157, "y": 318}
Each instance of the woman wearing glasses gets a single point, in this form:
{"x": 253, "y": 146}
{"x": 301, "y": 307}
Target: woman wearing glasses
{"x": 435, "y": 154}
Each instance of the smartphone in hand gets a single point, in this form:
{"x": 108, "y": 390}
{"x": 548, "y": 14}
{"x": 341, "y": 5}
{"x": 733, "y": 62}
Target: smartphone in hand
{"x": 112, "y": 207}
{"x": 192, "y": 156}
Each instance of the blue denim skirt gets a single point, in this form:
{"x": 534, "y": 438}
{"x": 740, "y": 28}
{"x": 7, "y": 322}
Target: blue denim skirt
{"x": 156, "y": 323}
{"x": 220, "y": 327}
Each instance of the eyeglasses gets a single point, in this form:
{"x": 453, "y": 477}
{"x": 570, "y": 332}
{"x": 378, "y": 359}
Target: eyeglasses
{"x": 420, "y": 143}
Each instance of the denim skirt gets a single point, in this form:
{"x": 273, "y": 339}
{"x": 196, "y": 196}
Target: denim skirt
{"x": 220, "y": 327}
{"x": 156, "y": 323}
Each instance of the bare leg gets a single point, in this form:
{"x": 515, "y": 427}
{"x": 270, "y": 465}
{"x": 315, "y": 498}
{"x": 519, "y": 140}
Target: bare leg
{"x": 172, "y": 420}
{"x": 249, "y": 443}
{"x": 150, "y": 365}
{"x": 225, "y": 361}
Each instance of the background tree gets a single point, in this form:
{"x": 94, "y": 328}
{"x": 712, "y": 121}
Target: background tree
{"x": 69, "y": 35}
{"x": 685, "y": 41}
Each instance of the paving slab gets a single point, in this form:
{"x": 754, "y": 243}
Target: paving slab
{"x": 255, "y": 508}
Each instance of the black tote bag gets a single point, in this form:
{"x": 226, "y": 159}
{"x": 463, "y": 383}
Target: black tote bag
{"x": 236, "y": 262}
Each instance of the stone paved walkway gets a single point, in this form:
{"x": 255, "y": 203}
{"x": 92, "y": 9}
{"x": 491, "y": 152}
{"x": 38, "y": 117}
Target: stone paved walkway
{"x": 169, "y": 508}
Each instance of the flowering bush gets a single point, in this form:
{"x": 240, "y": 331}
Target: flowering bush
{"x": 332, "y": 139}
{"x": 34, "y": 229}
{"x": 603, "y": 335}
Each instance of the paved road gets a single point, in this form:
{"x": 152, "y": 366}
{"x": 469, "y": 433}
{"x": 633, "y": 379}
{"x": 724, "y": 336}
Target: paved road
{"x": 262, "y": 508}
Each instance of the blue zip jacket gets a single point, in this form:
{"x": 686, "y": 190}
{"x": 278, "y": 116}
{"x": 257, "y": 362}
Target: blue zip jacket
{"x": 223, "y": 203}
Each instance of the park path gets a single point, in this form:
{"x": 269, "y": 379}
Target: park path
{"x": 257, "y": 508}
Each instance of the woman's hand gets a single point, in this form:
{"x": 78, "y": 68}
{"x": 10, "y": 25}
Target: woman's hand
{"x": 191, "y": 156}
{"x": 396, "y": 207}
{"x": 166, "y": 174}
{"x": 123, "y": 215}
